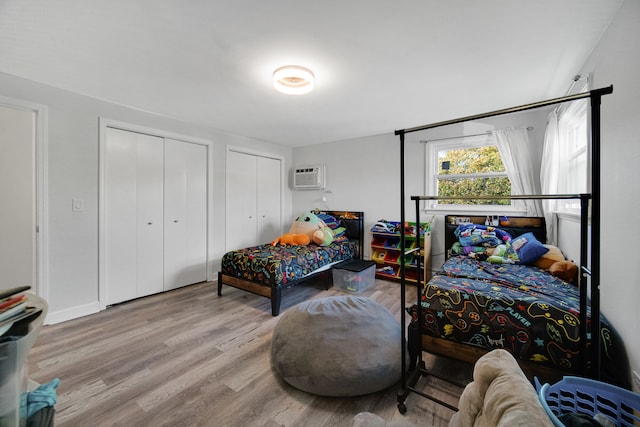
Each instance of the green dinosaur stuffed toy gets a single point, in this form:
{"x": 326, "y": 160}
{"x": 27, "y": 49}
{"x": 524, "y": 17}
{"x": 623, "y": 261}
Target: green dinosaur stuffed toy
{"x": 305, "y": 229}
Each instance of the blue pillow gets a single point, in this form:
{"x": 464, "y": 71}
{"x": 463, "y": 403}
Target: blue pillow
{"x": 528, "y": 248}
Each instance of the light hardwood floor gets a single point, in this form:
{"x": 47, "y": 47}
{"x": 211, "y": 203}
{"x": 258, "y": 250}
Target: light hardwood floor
{"x": 190, "y": 358}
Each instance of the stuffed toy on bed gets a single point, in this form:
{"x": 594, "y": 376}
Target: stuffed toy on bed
{"x": 565, "y": 270}
{"x": 307, "y": 228}
{"x": 292, "y": 239}
{"x": 503, "y": 254}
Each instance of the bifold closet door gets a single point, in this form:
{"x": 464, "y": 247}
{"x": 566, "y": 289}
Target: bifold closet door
{"x": 269, "y": 199}
{"x": 134, "y": 203}
{"x": 242, "y": 221}
{"x": 254, "y": 194}
{"x": 185, "y": 240}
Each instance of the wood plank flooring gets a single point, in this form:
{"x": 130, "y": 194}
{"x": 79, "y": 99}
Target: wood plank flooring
{"x": 190, "y": 358}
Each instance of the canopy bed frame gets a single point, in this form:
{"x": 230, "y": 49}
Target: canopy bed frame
{"x": 589, "y": 251}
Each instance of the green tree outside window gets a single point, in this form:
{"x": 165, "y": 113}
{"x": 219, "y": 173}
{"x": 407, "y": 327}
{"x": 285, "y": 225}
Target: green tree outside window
{"x": 475, "y": 171}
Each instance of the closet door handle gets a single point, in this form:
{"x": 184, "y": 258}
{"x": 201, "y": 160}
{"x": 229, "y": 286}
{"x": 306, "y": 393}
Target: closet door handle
{"x": 175, "y": 220}
{"x": 149, "y": 223}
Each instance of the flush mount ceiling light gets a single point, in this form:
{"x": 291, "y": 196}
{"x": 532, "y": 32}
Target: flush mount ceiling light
{"x": 293, "y": 80}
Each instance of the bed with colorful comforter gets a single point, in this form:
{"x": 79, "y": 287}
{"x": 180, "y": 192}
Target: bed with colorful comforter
{"x": 521, "y": 308}
{"x": 280, "y": 265}
{"x": 268, "y": 269}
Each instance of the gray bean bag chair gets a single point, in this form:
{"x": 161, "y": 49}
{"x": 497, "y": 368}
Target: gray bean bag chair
{"x": 338, "y": 346}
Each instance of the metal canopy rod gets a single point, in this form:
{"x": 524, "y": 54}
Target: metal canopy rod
{"x": 487, "y": 133}
{"x": 595, "y": 92}
{"x": 595, "y": 234}
{"x": 403, "y": 295}
{"x": 583, "y": 329}
{"x": 513, "y": 197}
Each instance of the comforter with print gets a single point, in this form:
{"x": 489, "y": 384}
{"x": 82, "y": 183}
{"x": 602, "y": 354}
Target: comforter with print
{"x": 523, "y": 309}
{"x": 282, "y": 265}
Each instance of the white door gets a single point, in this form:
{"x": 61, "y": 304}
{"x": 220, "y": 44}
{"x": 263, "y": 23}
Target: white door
{"x": 17, "y": 193}
{"x": 185, "y": 242}
{"x": 241, "y": 229}
{"x": 269, "y": 199}
{"x": 134, "y": 200}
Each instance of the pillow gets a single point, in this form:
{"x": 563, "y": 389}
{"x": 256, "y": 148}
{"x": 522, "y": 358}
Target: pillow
{"x": 547, "y": 260}
{"x": 528, "y": 248}
{"x": 478, "y": 234}
{"x": 330, "y": 220}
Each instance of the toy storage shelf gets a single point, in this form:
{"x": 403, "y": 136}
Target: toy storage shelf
{"x": 385, "y": 251}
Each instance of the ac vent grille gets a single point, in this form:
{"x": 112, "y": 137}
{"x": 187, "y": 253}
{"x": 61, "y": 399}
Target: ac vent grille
{"x": 309, "y": 177}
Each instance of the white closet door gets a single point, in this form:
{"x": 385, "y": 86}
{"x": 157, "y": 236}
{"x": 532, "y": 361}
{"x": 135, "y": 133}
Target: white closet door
{"x": 17, "y": 184}
{"x": 269, "y": 199}
{"x": 185, "y": 246}
{"x": 133, "y": 215}
{"x": 241, "y": 230}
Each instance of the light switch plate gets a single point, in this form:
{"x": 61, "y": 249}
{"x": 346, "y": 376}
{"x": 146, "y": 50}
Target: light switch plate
{"x": 77, "y": 205}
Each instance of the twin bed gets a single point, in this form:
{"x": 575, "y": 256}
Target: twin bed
{"x": 267, "y": 269}
{"x": 472, "y": 306}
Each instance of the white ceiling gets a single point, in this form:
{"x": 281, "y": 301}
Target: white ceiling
{"x": 380, "y": 65}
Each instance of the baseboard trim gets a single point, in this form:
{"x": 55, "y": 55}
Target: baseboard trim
{"x": 72, "y": 313}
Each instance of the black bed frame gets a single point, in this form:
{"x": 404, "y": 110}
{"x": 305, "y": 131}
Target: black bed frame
{"x": 409, "y": 379}
{"x": 353, "y": 221}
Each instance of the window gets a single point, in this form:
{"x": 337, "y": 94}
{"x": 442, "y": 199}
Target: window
{"x": 572, "y": 136}
{"x": 471, "y": 166}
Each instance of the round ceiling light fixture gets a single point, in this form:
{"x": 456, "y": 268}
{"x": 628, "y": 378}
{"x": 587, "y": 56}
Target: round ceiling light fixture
{"x": 293, "y": 80}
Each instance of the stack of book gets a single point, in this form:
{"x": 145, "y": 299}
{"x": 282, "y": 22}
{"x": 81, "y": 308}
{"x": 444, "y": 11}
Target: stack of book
{"x": 14, "y": 307}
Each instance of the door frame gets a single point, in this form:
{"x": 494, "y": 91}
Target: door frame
{"x": 105, "y": 123}
{"x": 40, "y": 192}
{"x": 243, "y": 150}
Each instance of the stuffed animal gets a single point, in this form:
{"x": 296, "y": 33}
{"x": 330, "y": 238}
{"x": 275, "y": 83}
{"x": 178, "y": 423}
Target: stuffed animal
{"x": 292, "y": 239}
{"x": 323, "y": 236}
{"x": 503, "y": 254}
{"x": 565, "y": 270}
{"x": 305, "y": 229}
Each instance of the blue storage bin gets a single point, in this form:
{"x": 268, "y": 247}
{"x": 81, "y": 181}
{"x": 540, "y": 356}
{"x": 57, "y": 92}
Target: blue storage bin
{"x": 586, "y": 396}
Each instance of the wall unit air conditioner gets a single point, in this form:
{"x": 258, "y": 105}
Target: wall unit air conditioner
{"x": 309, "y": 177}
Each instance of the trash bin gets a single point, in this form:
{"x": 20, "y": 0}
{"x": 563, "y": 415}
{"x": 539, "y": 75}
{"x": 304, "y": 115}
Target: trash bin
{"x": 15, "y": 344}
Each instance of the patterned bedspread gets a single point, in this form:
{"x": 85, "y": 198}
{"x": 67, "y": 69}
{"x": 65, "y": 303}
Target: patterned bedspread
{"x": 522, "y": 309}
{"x": 281, "y": 265}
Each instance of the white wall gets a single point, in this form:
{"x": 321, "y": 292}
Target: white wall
{"x": 17, "y": 186}
{"x": 73, "y": 173}
{"x": 615, "y": 61}
{"x": 364, "y": 173}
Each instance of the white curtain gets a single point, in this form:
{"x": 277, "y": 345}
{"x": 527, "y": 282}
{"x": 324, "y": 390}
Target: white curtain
{"x": 516, "y": 153}
{"x": 550, "y": 180}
